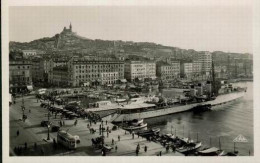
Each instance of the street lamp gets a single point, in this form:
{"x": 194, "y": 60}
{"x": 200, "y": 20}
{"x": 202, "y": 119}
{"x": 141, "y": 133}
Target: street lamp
{"x": 23, "y": 108}
{"x": 102, "y": 125}
{"x": 48, "y": 137}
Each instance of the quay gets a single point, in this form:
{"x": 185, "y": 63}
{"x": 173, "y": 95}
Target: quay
{"x": 33, "y": 135}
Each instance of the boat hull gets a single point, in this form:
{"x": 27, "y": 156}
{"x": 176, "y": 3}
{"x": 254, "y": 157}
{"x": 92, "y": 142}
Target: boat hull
{"x": 219, "y": 101}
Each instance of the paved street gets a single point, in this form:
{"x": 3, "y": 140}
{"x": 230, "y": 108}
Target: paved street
{"x": 31, "y": 132}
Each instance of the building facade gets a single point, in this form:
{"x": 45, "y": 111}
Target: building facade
{"x": 187, "y": 70}
{"x": 37, "y": 70}
{"x": 52, "y": 63}
{"x": 29, "y": 53}
{"x": 60, "y": 76}
{"x": 206, "y": 60}
{"x": 109, "y": 77}
{"x": 19, "y": 75}
{"x": 82, "y": 71}
{"x": 139, "y": 70}
{"x": 166, "y": 71}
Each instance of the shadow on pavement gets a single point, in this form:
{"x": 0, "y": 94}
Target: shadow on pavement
{"x": 33, "y": 126}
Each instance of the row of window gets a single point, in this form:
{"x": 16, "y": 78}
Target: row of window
{"x": 21, "y": 67}
{"x": 88, "y": 71}
{"x": 98, "y": 66}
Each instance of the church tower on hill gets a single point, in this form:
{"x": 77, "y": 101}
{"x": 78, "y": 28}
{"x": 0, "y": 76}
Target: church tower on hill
{"x": 70, "y": 27}
{"x": 67, "y": 30}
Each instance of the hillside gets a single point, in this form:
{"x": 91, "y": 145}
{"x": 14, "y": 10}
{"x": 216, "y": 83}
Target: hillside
{"x": 68, "y": 42}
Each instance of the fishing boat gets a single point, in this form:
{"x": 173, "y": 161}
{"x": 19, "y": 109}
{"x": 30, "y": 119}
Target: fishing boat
{"x": 213, "y": 151}
{"x": 137, "y": 127}
{"x": 189, "y": 147}
{"x": 153, "y": 131}
{"x": 137, "y": 122}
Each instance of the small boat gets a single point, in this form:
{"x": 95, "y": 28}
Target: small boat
{"x": 140, "y": 126}
{"x": 170, "y": 137}
{"x": 152, "y": 131}
{"x": 136, "y": 122}
{"x": 189, "y": 147}
{"x": 213, "y": 151}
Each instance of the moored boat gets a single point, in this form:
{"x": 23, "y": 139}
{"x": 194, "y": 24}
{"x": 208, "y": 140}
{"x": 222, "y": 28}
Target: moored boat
{"x": 137, "y": 122}
{"x": 149, "y": 132}
{"x": 140, "y": 126}
{"x": 189, "y": 147}
{"x": 213, "y": 151}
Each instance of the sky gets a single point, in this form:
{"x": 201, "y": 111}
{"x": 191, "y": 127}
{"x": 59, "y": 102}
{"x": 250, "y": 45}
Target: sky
{"x": 225, "y": 28}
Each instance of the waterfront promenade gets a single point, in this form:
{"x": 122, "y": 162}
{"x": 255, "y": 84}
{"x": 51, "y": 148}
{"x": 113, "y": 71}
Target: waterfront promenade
{"x": 31, "y": 132}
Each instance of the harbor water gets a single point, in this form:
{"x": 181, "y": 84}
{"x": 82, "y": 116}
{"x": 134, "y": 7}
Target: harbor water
{"x": 221, "y": 125}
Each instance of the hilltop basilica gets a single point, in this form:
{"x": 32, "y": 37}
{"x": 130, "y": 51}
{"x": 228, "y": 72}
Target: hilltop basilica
{"x": 68, "y": 31}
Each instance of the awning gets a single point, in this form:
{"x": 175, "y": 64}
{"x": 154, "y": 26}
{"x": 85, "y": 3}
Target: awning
{"x": 123, "y": 80}
{"x": 30, "y": 87}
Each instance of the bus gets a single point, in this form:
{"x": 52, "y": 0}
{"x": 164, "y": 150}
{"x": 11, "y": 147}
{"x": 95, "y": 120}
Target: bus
{"x": 66, "y": 139}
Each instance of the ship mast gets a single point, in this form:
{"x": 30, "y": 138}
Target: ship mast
{"x": 213, "y": 79}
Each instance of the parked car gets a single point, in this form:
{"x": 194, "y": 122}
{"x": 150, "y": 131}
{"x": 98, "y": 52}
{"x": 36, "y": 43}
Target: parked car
{"x": 55, "y": 128}
{"x": 45, "y": 123}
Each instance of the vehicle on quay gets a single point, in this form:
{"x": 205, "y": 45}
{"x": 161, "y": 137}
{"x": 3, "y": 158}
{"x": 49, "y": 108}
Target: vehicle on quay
{"x": 66, "y": 139}
{"x": 55, "y": 128}
{"x": 41, "y": 91}
{"x": 45, "y": 123}
{"x": 212, "y": 151}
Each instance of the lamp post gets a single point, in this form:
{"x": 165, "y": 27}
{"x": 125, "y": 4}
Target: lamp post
{"x": 23, "y": 108}
{"x": 102, "y": 133}
{"x": 48, "y": 137}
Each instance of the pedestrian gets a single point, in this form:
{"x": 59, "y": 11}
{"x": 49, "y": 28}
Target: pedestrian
{"x": 167, "y": 148}
{"x": 25, "y": 145}
{"x": 118, "y": 137}
{"x": 116, "y": 147}
{"x": 136, "y": 151}
{"x": 35, "y": 146}
{"x": 15, "y": 150}
{"x": 17, "y": 132}
{"x": 173, "y": 148}
{"x": 107, "y": 134}
{"x": 112, "y": 141}
{"x": 138, "y": 146}
{"x": 42, "y": 151}
{"x": 160, "y": 153}
{"x": 145, "y": 148}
